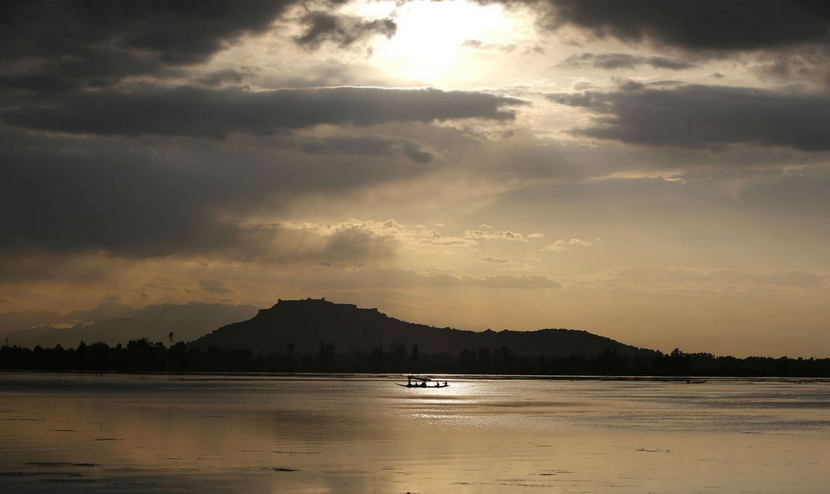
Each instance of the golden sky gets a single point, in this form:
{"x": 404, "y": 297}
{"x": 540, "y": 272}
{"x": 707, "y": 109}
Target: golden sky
{"x": 653, "y": 172}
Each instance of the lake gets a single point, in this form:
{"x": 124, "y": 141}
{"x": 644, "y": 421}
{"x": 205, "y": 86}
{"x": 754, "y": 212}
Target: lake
{"x": 357, "y": 434}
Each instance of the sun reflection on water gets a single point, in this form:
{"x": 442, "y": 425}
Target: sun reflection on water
{"x": 365, "y": 434}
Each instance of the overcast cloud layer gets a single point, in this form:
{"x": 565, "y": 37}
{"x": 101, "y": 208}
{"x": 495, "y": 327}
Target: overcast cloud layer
{"x": 197, "y": 112}
{"x": 651, "y": 171}
{"x": 699, "y": 24}
{"x": 696, "y": 116}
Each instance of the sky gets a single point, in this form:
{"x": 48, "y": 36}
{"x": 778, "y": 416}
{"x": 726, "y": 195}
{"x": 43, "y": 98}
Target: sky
{"x": 655, "y": 172}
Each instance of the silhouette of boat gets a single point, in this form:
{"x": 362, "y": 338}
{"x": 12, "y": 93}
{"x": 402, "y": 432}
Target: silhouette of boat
{"x": 421, "y": 382}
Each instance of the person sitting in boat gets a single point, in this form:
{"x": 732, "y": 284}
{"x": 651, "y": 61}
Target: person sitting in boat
{"x": 437, "y": 384}
{"x": 423, "y": 384}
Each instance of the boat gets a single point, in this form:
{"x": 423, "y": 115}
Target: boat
{"x": 421, "y": 382}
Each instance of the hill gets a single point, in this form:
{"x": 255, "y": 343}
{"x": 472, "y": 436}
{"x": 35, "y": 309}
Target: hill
{"x": 104, "y": 311}
{"x": 11, "y": 322}
{"x": 154, "y": 322}
{"x": 305, "y": 323}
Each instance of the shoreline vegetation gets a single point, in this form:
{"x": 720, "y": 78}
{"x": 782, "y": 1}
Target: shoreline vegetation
{"x": 143, "y": 356}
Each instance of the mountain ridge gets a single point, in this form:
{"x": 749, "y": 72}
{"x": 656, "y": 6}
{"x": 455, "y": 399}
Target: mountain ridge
{"x": 154, "y": 322}
{"x": 16, "y": 321}
{"x": 301, "y": 326}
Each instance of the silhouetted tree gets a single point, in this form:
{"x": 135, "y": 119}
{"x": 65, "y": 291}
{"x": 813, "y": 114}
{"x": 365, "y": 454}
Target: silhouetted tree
{"x": 416, "y": 356}
{"x": 325, "y": 356}
{"x": 143, "y": 355}
{"x": 397, "y": 357}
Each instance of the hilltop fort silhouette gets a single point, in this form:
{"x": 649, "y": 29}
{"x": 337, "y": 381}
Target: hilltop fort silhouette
{"x": 303, "y": 324}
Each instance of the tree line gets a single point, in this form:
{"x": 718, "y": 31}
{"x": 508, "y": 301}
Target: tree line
{"x": 145, "y": 356}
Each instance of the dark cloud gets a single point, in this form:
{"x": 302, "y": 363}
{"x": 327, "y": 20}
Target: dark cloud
{"x": 227, "y": 77}
{"x": 691, "y": 116}
{"x": 344, "y": 31}
{"x": 71, "y": 203}
{"x": 372, "y": 145}
{"x": 153, "y": 198}
{"x": 610, "y": 61}
{"x": 354, "y": 245}
{"x": 802, "y": 66}
{"x": 668, "y": 63}
{"x": 697, "y": 24}
{"x": 196, "y": 112}
{"x": 66, "y": 44}
{"x": 34, "y": 265}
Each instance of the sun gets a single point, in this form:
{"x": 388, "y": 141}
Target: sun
{"x": 429, "y": 45}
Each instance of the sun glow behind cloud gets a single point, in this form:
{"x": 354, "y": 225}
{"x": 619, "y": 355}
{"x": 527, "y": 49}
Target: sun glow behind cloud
{"x": 428, "y": 45}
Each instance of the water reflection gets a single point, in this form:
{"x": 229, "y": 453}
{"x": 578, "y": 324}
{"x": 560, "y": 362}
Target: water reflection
{"x": 364, "y": 434}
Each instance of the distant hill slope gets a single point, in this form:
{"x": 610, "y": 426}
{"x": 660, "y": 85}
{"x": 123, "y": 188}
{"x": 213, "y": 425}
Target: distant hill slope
{"x": 11, "y": 322}
{"x": 104, "y": 311}
{"x": 306, "y": 323}
{"x": 155, "y": 322}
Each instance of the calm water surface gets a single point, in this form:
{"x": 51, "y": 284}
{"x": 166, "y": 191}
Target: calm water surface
{"x": 116, "y": 433}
